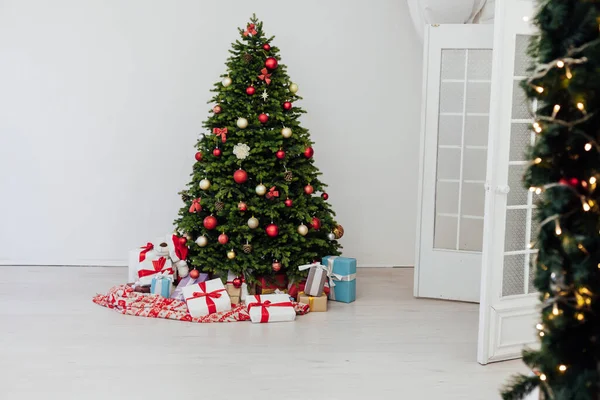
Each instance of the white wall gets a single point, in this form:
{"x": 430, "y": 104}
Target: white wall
{"x": 101, "y": 102}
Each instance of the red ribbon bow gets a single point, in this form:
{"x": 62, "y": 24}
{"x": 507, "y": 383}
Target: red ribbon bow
{"x": 265, "y": 76}
{"x": 181, "y": 250}
{"x": 221, "y": 132}
{"x": 196, "y": 207}
{"x": 215, "y": 294}
{"x": 158, "y": 267}
{"x": 264, "y": 312}
{"x": 149, "y": 246}
{"x": 250, "y": 30}
{"x": 272, "y": 193}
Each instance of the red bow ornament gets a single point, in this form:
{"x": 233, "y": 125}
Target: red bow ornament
{"x": 221, "y": 132}
{"x": 272, "y": 193}
{"x": 265, "y": 76}
{"x": 196, "y": 207}
{"x": 250, "y": 30}
{"x": 149, "y": 246}
{"x": 181, "y": 250}
{"x": 158, "y": 266}
{"x": 209, "y": 296}
{"x": 264, "y": 312}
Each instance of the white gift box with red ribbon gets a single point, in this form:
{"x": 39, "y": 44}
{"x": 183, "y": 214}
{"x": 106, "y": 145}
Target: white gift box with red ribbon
{"x": 207, "y": 298}
{"x": 137, "y": 257}
{"x": 150, "y": 267}
{"x": 270, "y": 308}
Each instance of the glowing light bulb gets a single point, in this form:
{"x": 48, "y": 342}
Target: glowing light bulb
{"x": 568, "y": 74}
{"x": 537, "y": 160}
{"x": 557, "y": 228}
{"x": 562, "y": 368}
{"x": 542, "y": 334}
{"x": 543, "y": 377}
{"x": 592, "y": 180}
{"x": 555, "y": 309}
{"x": 585, "y": 205}
{"x": 539, "y": 327}
{"x": 537, "y": 127}
{"x": 560, "y": 63}
{"x": 532, "y": 189}
{"x": 580, "y": 317}
{"x": 555, "y": 110}
{"x": 587, "y": 147}
{"x": 538, "y": 190}
{"x": 539, "y": 89}
{"x": 581, "y": 107}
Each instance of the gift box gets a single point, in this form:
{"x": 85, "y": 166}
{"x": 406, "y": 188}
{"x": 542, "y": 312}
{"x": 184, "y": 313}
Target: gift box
{"x": 268, "y": 285}
{"x": 295, "y": 288}
{"x": 148, "y": 268}
{"x": 138, "y": 256}
{"x": 343, "y": 278}
{"x": 270, "y": 308}
{"x": 187, "y": 281}
{"x": 317, "y": 276}
{"x": 316, "y": 303}
{"x": 206, "y": 298}
{"x": 162, "y": 284}
{"x": 235, "y": 300}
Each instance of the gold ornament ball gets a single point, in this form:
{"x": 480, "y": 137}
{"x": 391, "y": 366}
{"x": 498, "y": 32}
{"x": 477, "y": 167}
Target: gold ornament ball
{"x": 286, "y": 133}
{"x": 302, "y": 230}
{"x": 226, "y": 81}
{"x": 253, "y": 223}
{"x": 231, "y": 254}
{"x": 261, "y": 190}
{"x": 242, "y": 123}
{"x": 202, "y": 241}
{"x": 338, "y": 231}
{"x": 293, "y": 88}
{"x": 204, "y": 184}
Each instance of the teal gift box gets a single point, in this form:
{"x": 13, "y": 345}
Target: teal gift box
{"x": 343, "y": 276}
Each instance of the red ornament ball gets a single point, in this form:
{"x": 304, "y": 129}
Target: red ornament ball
{"x": 325, "y": 196}
{"x": 250, "y": 90}
{"x": 287, "y": 105}
{"x": 198, "y": 156}
{"x": 242, "y": 206}
{"x": 276, "y": 266}
{"x": 315, "y": 223}
{"x": 266, "y": 47}
{"x": 271, "y": 63}
{"x": 280, "y": 154}
{"x": 272, "y": 230}
{"x": 217, "y": 109}
{"x": 210, "y": 222}
{"x": 240, "y": 176}
{"x": 263, "y": 118}
{"x": 309, "y": 152}
{"x": 223, "y": 238}
{"x": 182, "y": 241}
{"x": 194, "y": 274}
{"x": 308, "y": 189}
{"x": 217, "y": 152}
{"x": 237, "y": 282}
{"x": 288, "y": 202}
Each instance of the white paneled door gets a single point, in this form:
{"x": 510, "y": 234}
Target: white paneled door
{"x": 458, "y": 73}
{"x": 508, "y": 302}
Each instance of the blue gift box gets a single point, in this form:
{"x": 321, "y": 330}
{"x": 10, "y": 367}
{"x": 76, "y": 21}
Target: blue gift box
{"x": 344, "y": 276}
{"x": 162, "y": 285}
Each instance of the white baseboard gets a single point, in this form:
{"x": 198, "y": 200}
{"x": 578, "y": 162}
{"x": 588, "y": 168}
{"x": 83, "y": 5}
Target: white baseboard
{"x": 120, "y": 263}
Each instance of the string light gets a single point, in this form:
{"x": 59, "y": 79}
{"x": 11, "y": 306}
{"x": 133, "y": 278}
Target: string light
{"x": 581, "y": 107}
{"x": 587, "y": 147}
{"x": 560, "y": 63}
{"x": 542, "y": 334}
{"x": 537, "y": 160}
{"x": 592, "y": 180}
{"x": 555, "y": 110}
{"x": 542, "y": 377}
{"x": 539, "y": 327}
{"x": 555, "y": 310}
{"x": 562, "y": 368}
{"x": 538, "y": 190}
{"x": 539, "y": 89}
{"x": 580, "y": 316}
{"x": 585, "y": 205}
{"x": 568, "y": 74}
{"x": 557, "y": 228}
{"x": 537, "y": 127}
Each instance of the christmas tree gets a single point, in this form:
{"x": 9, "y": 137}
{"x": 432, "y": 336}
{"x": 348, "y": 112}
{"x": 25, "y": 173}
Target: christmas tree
{"x": 564, "y": 86}
{"x": 252, "y": 206}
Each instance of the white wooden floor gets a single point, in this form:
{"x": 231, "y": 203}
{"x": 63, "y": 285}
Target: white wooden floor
{"x": 56, "y": 344}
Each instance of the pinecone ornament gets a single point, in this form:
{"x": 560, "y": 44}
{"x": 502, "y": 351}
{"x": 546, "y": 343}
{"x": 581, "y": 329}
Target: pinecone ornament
{"x": 247, "y": 248}
{"x": 288, "y": 176}
{"x": 247, "y": 58}
{"x": 219, "y": 205}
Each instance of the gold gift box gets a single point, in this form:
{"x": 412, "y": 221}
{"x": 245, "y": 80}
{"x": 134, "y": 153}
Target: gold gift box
{"x": 316, "y": 304}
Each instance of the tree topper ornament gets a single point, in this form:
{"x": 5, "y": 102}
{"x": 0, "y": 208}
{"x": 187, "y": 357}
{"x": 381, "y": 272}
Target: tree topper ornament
{"x": 241, "y": 151}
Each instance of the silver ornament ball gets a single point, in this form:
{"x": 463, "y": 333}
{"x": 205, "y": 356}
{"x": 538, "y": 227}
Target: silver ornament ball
{"x": 253, "y": 223}
{"x": 286, "y": 133}
{"x": 242, "y": 123}
{"x": 204, "y": 184}
{"x": 202, "y": 241}
{"x": 261, "y": 190}
{"x": 302, "y": 230}
{"x": 226, "y": 81}
{"x": 330, "y": 236}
